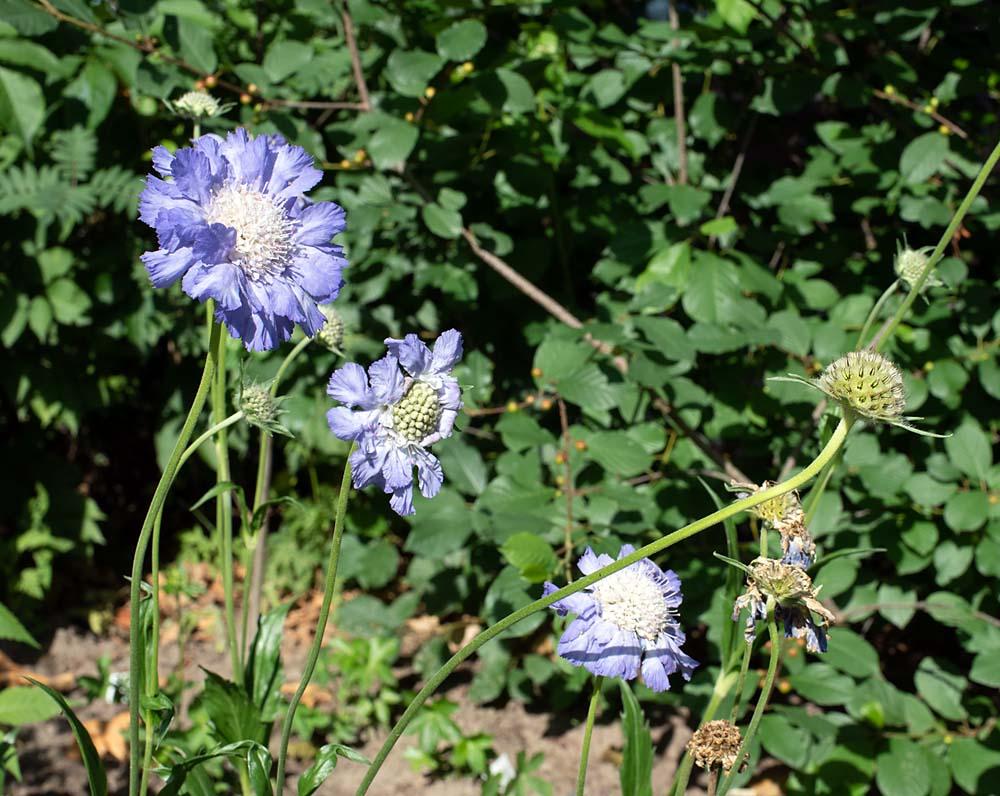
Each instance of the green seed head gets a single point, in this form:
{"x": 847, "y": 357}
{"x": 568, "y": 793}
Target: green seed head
{"x": 259, "y": 408}
{"x": 416, "y": 415}
{"x": 197, "y": 105}
{"x": 910, "y": 264}
{"x": 867, "y": 383}
{"x": 332, "y": 333}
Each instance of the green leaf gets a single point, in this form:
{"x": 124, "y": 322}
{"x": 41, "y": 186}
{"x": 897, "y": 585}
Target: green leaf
{"x": 532, "y": 556}
{"x": 821, "y": 684}
{"x": 96, "y": 776}
{"x": 392, "y": 143}
{"x": 324, "y": 764}
{"x": 784, "y": 740}
{"x": 848, "y": 652}
{"x": 687, "y": 203}
{"x": 263, "y": 676}
{"x": 636, "y": 771}
{"x": 285, "y": 57}
{"x": 12, "y": 629}
{"x": 196, "y": 45}
{"x": 176, "y": 775}
{"x": 986, "y": 669}
{"x": 441, "y": 221}
{"x": 22, "y": 105}
{"x": 738, "y": 14}
{"x": 923, "y": 156}
{"x": 970, "y": 451}
{"x": 26, "y": 18}
{"x": 975, "y": 766}
{"x": 95, "y": 87}
{"x": 618, "y": 453}
{"x": 410, "y": 71}
{"x": 25, "y": 705}
{"x": 231, "y": 712}
{"x": 941, "y": 689}
{"x": 520, "y": 95}
{"x": 440, "y": 527}
{"x": 462, "y": 40}
{"x": 902, "y": 770}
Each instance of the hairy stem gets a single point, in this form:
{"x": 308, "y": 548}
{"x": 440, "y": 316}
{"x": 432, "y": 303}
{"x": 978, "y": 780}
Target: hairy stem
{"x": 442, "y": 674}
{"x": 236, "y": 417}
{"x": 142, "y": 543}
{"x": 262, "y": 488}
{"x": 873, "y": 315}
{"x": 224, "y": 507}
{"x": 886, "y": 332}
{"x": 765, "y": 694}
{"x": 324, "y": 614}
{"x": 588, "y": 731}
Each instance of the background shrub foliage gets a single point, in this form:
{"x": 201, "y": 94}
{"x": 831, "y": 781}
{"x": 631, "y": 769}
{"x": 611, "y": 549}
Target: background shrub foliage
{"x": 750, "y": 240}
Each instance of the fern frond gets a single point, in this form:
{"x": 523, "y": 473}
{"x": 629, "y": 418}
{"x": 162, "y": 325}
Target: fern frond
{"x": 73, "y": 151}
{"x": 45, "y": 193}
{"x": 117, "y": 188}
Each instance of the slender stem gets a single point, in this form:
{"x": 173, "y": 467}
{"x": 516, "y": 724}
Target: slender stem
{"x": 442, "y": 674}
{"x": 324, "y": 614}
{"x": 224, "y": 508}
{"x": 713, "y": 781}
{"x": 873, "y": 315}
{"x": 152, "y": 685}
{"x": 741, "y": 681}
{"x": 721, "y": 690}
{"x": 142, "y": 543}
{"x": 256, "y": 570}
{"x": 588, "y": 731}
{"x": 765, "y": 694}
{"x": 886, "y": 332}
{"x": 147, "y": 755}
{"x": 235, "y": 417}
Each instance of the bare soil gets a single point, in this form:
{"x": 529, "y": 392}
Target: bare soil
{"x": 51, "y": 766}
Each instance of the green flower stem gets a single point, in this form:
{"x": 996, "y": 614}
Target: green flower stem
{"x": 256, "y": 569}
{"x": 741, "y": 681}
{"x": 588, "y": 731}
{"x": 873, "y": 315}
{"x": 235, "y": 417}
{"x": 810, "y": 471}
{"x": 938, "y": 252}
{"x": 142, "y": 543}
{"x": 324, "y": 614}
{"x": 719, "y": 693}
{"x": 224, "y": 508}
{"x": 765, "y": 694}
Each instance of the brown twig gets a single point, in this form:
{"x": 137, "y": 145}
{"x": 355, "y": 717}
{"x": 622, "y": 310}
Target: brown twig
{"x": 897, "y": 99}
{"x": 567, "y": 488}
{"x": 352, "y": 48}
{"x": 918, "y": 605}
{"x": 560, "y": 313}
{"x": 735, "y": 174}
{"x": 679, "y": 116}
{"x": 781, "y": 27}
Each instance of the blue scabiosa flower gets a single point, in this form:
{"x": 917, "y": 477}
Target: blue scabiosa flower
{"x": 233, "y": 222}
{"x": 626, "y": 623}
{"x": 407, "y": 401}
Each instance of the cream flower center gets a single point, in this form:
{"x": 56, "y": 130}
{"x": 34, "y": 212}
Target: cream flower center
{"x": 635, "y": 603}
{"x": 264, "y": 232}
{"x": 417, "y": 413}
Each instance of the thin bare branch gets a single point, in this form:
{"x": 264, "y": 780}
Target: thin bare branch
{"x": 680, "y": 119}
{"x": 896, "y": 99}
{"x": 735, "y": 174}
{"x": 352, "y": 48}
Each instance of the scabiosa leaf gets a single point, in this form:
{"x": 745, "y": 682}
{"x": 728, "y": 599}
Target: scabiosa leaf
{"x": 407, "y": 401}
{"x": 626, "y": 624}
{"x": 234, "y": 224}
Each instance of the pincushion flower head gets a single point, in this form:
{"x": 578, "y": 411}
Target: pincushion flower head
{"x": 785, "y": 515}
{"x": 407, "y": 401}
{"x": 867, "y": 385}
{"x": 626, "y": 623}
{"x": 234, "y": 224}
{"x": 796, "y": 602}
